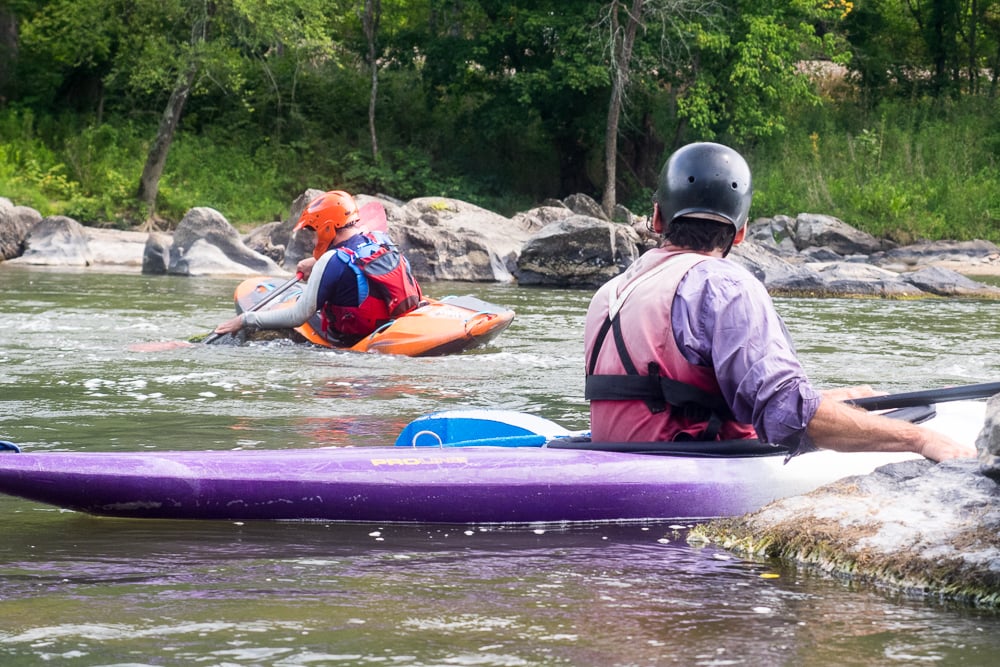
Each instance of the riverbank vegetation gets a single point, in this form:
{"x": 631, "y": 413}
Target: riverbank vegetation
{"x": 131, "y": 112}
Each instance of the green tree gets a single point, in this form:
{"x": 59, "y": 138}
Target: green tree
{"x": 746, "y": 77}
{"x": 142, "y": 51}
{"x": 511, "y": 86}
{"x": 620, "y": 24}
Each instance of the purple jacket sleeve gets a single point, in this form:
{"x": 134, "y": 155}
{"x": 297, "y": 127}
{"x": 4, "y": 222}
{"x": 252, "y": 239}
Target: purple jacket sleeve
{"x": 723, "y": 317}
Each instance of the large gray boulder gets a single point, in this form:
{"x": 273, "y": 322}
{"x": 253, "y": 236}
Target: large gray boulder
{"x": 536, "y": 218}
{"x": 447, "y": 239}
{"x": 916, "y": 526}
{"x": 945, "y": 282}
{"x": 267, "y": 240}
{"x": 582, "y": 204}
{"x": 854, "y": 279}
{"x": 821, "y": 271}
{"x": 837, "y": 278}
{"x": 204, "y": 243}
{"x": 56, "y": 241}
{"x": 768, "y": 265}
{"x": 812, "y": 230}
{"x": 156, "y": 253}
{"x": 578, "y": 251}
{"x": 278, "y": 241}
{"x": 937, "y": 252}
{"x": 15, "y": 223}
{"x": 775, "y": 234}
{"x": 116, "y": 247}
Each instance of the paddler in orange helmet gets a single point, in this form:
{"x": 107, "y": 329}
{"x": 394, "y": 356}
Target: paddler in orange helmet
{"x": 357, "y": 278}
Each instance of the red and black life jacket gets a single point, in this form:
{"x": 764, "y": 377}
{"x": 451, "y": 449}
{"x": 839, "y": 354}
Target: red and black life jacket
{"x": 386, "y": 287}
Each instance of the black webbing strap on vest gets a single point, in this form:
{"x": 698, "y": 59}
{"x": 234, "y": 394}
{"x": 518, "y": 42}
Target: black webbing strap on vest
{"x": 654, "y": 389}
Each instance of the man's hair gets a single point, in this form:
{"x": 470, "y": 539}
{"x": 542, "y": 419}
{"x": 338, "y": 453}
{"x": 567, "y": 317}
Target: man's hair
{"x": 700, "y": 234}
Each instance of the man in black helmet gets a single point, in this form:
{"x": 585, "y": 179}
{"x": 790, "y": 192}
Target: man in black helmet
{"x": 686, "y": 345}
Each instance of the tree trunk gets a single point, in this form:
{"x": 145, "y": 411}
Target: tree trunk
{"x": 973, "y": 45}
{"x": 370, "y": 20}
{"x": 149, "y": 182}
{"x": 8, "y": 48}
{"x": 620, "y": 51}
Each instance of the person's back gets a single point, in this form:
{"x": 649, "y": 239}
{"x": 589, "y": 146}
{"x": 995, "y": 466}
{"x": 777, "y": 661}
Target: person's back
{"x": 686, "y": 345}
{"x": 684, "y": 400}
{"x": 366, "y": 282}
{"x": 642, "y": 385}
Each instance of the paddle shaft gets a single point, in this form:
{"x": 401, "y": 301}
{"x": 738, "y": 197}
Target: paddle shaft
{"x": 275, "y": 293}
{"x": 927, "y": 396}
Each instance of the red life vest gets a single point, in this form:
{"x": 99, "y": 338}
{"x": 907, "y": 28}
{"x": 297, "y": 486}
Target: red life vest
{"x": 641, "y": 388}
{"x": 386, "y": 287}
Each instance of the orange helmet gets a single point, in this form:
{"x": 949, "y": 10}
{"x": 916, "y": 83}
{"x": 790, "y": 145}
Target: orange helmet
{"x": 326, "y": 214}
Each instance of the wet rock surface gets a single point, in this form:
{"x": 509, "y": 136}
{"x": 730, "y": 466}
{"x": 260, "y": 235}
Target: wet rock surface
{"x": 923, "y": 528}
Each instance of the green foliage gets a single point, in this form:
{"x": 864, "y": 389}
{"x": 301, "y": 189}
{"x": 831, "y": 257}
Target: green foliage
{"x": 747, "y": 82}
{"x": 34, "y": 174}
{"x": 916, "y": 171}
{"x": 239, "y": 175}
{"x": 502, "y": 103}
{"x": 407, "y": 173}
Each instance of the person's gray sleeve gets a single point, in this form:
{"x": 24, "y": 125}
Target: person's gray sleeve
{"x": 296, "y": 315}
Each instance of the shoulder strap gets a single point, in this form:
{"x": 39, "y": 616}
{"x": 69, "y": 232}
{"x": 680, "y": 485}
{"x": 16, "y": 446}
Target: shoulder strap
{"x": 349, "y": 257}
{"x": 617, "y": 300}
{"x": 656, "y": 390}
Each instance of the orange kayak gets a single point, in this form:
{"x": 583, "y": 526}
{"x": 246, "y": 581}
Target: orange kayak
{"x": 439, "y": 326}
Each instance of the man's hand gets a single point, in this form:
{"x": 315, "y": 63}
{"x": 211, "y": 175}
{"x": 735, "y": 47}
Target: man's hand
{"x": 305, "y": 267}
{"x": 846, "y": 393}
{"x": 230, "y": 326}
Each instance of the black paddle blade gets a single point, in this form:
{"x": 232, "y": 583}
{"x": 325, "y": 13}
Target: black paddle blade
{"x": 226, "y": 339}
{"x": 915, "y": 414}
{"x": 219, "y": 339}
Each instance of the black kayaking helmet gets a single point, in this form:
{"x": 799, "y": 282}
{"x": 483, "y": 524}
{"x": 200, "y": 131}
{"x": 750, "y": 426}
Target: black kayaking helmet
{"x": 705, "y": 180}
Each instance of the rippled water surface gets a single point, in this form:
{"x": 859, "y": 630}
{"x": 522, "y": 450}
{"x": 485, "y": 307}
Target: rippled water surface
{"x": 80, "y": 590}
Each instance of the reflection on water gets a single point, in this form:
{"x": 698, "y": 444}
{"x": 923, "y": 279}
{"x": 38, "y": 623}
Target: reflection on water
{"x": 95, "y": 591}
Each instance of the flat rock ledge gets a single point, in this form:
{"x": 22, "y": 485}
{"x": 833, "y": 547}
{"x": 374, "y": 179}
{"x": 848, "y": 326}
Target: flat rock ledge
{"x": 928, "y": 530}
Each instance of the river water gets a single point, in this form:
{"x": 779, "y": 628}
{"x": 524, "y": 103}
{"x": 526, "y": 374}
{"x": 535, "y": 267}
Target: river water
{"x": 80, "y": 590}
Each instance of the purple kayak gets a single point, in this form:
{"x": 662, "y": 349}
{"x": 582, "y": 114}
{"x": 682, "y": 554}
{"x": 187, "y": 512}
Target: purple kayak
{"x": 453, "y": 467}
{"x": 457, "y": 485}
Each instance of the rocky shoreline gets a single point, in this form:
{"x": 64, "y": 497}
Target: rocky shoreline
{"x": 567, "y": 243}
{"x": 928, "y": 530}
